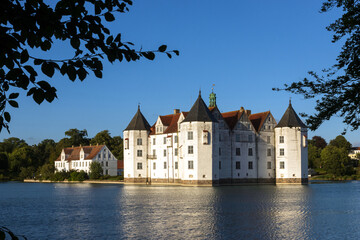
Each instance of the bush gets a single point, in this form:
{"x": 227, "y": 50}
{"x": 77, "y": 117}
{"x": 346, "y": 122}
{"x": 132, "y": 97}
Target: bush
{"x": 96, "y": 170}
{"x": 78, "y": 176}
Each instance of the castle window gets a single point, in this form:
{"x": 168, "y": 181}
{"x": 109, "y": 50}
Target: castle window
{"x": 164, "y": 165}
{"x": 175, "y": 151}
{"x": 238, "y": 153}
{"x": 238, "y": 165}
{"x": 190, "y": 149}
{"x": 190, "y": 136}
{"x": 154, "y": 165}
{"x": 250, "y": 165}
{"x": 281, "y": 139}
{"x": 164, "y": 152}
{"x": 282, "y": 152}
{"x": 139, "y": 141}
{"x": 126, "y": 143}
{"x": 237, "y": 137}
{"x": 220, "y": 138}
{"x": 205, "y": 137}
{"x": 219, "y": 151}
{"x": 139, "y": 165}
{"x": 304, "y": 141}
{"x": 154, "y": 141}
{"x": 268, "y": 165}
{"x": 219, "y": 164}
{"x": 282, "y": 165}
{"x": 269, "y": 152}
{"x": 250, "y": 138}
{"x": 164, "y": 140}
{"x": 268, "y": 139}
{"x": 175, "y": 139}
{"x": 139, "y": 153}
{"x": 109, "y": 156}
{"x": 250, "y": 152}
{"x": 106, "y": 172}
{"x": 190, "y": 164}
{"x": 154, "y": 152}
{"x": 106, "y": 163}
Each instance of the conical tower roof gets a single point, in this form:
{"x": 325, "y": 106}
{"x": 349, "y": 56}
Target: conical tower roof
{"x": 138, "y": 122}
{"x": 290, "y": 119}
{"x": 199, "y": 112}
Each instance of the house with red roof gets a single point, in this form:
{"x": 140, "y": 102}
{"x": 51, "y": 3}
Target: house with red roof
{"x": 80, "y": 158}
{"x": 205, "y": 146}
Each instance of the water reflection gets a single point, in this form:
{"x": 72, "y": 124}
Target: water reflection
{"x": 89, "y": 211}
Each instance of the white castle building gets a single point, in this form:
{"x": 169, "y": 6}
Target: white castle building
{"x": 80, "y": 158}
{"x": 207, "y": 147}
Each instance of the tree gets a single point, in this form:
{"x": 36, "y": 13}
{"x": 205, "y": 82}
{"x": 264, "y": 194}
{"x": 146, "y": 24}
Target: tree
{"x": 3, "y": 162}
{"x": 337, "y": 92}
{"x": 39, "y": 26}
{"x": 47, "y": 171}
{"x": 336, "y": 161}
{"x": 103, "y": 137}
{"x": 77, "y": 137}
{"x": 96, "y": 170}
{"x": 20, "y": 157}
{"x": 341, "y": 142}
{"x": 118, "y": 148}
{"x": 314, "y": 156}
{"x": 318, "y": 142}
{"x": 8, "y": 145}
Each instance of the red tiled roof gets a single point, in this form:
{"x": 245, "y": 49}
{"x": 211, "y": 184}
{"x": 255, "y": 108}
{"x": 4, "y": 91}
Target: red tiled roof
{"x": 170, "y": 121}
{"x": 231, "y": 118}
{"x": 258, "y": 119}
{"x": 74, "y": 153}
{"x": 173, "y": 127}
{"x": 166, "y": 120}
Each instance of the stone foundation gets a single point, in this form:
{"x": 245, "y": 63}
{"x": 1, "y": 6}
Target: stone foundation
{"x": 201, "y": 182}
{"x": 134, "y": 180}
{"x": 292, "y": 180}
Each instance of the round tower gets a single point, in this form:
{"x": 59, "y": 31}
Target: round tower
{"x": 136, "y": 148}
{"x": 291, "y": 149}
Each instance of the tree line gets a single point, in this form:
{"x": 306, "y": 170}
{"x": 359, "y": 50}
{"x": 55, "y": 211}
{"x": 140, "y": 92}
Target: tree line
{"x": 332, "y": 159}
{"x": 19, "y": 160}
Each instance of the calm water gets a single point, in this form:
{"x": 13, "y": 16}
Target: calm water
{"x": 90, "y": 211}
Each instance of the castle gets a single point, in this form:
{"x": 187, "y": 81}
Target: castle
{"x": 207, "y": 147}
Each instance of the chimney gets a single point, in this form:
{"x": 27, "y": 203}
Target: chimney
{"x": 176, "y": 111}
{"x": 241, "y": 109}
{"x": 248, "y": 112}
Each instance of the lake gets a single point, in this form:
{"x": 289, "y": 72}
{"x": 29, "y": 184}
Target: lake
{"x": 105, "y": 211}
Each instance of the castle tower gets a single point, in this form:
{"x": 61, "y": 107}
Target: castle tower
{"x": 291, "y": 149}
{"x": 197, "y": 135}
{"x": 212, "y": 99}
{"x": 136, "y": 148}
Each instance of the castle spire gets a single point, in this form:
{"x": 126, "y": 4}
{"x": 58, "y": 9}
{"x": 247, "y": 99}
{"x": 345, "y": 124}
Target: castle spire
{"x": 212, "y": 98}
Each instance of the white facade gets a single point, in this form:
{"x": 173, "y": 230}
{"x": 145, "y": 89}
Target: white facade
{"x": 205, "y": 146}
{"x": 80, "y": 158}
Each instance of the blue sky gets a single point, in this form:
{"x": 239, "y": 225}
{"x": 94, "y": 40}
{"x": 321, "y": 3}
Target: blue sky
{"x": 244, "y": 47}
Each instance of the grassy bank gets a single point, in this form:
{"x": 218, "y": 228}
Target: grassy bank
{"x": 331, "y": 177}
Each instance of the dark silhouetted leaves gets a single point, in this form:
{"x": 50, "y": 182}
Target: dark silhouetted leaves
{"x": 109, "y": 17}
{"x": 7, "y": 116}
{"x": 149, "y": 55}
{"x": 75, "y": 42}
{"x": 13, "y": 104}
{"x": 48, "y": 69}
{"x": 13, "y": 95}
{"x": 24, "y": 56}
{"x": 38, "y": 96}
{"x": 162, "y": 48}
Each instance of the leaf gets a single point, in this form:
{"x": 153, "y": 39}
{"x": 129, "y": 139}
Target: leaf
{"x": 30, "y": 70}
{"x": 75, "y": 42}
{"x": 162, "y": 48}
{"x": 176, "y": 52}
{"x": 7, "y": 116}
{"x": 169, "y": 55}
{"x": 109, "y": 17}
{"x": 48, "y": 69}
{"x": 118, "y": 38}
{"x": 71, "y": 72}
{"x": 24, "y": 57}
{"x": 81, "y": 73}
{"x": 109, "y": 40}
{"x": 63, "y": 69}
{"x": 13, "y": 104}
{"x": 13, "y": 95}
{"x": 38, "y": 61}
{"x": 44, "y": 85}
{"x": 98, "y": 73}
{"x": 148, "y": 55}
{"x": 39, "y": 96}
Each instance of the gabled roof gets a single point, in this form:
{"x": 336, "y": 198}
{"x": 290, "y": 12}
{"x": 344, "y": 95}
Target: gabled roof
{"x": 258, "y": 119}
{"x": 73, "y": 153}
{"x": 138, "y": 122}
{"x": 199, "y": 112}
{"x": 290, "y": 119}
{"x": 173, "y": 126}
{"x": 231, "y": 118}
{"x": 166, "y": 120}
{"x": 171, "y": 121}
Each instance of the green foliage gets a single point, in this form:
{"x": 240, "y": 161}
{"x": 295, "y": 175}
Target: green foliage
{"x": 318, "y": 142}
{"x": 27, "y": 173}
{"x": 21, "y": 157}
{"x": 314, "y": 156}
{"x": 47, "y": 171}
{"x": 39, "y": 26}
{"x": 341, "y": 142}
{"x": 114, "y": 144}
{"x": 96, "y": 170}
{"x": 336, "y": 161}
{"x": 77, "y": 137}
{"x": 3, "y": 161}
{"x": 337, "y": 91}
{"x": 78, "y": 176}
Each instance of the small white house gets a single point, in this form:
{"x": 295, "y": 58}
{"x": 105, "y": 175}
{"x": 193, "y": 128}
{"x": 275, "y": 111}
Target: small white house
{"x": 80, "y": 158}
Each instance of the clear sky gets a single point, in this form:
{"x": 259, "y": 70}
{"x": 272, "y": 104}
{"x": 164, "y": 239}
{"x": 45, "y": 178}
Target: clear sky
{"x": 243, "y": 47}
